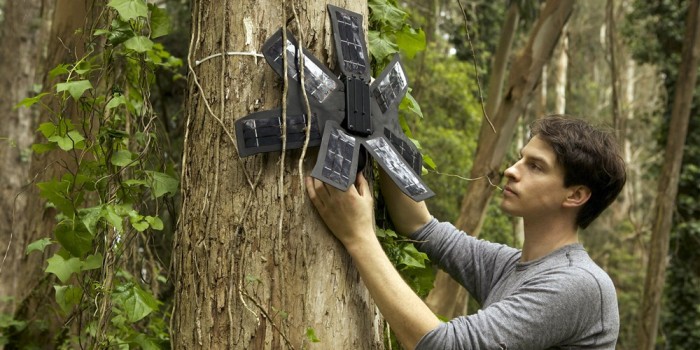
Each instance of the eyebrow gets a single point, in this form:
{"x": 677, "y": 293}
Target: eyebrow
{"x": 535, "y": 158}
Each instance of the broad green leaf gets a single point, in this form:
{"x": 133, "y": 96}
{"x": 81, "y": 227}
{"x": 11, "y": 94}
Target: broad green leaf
{"x": 140, "y": 225}
{"x": 83, "y": 67}
{"x": 121, "y": 158}
{"x": 74, "y": 237}
{"x": 56, "y": 192}
{"x": 40, "y": 148}
{"x": 160, "y": 21}
{"x": 410, "y": 41}
{"x": 114, "y": 219}
{"x": 155, "y": 222}
{"x": 116, "y": 101}
{"x": 38, "y": 245}
{"x": 388, "y": 13}
{"x": 380, "y": 46}
{"x": 409, "y": 104}
{"x": 428, "y": 160}
{"x": 90, "y": 217}
{"x": 144, "y": 342}
{"x": 30, "y": 101}
{"x": 162, "y": 183}
{"x": 121, "y": 31}
{"x": 412, "y": 258}
{"x": 75, "y": 88}
{"x": 68, "y": 296}
{"x": 136, "y": 303}
{"x": 92, "y": 262}
{"x": 99, "y": 32}
{"x": 63, "y": 268}
{"x": 59, "y": 70}
{"x": 139, "y": 44}
{"x": 73, "y": 139}
{"x": 129, "y": 9}
{"x": 47, "y": 129}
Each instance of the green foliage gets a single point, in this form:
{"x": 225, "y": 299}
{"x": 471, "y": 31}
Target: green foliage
{"x": 110, "y": 199}
{"x": 654, "y": 33}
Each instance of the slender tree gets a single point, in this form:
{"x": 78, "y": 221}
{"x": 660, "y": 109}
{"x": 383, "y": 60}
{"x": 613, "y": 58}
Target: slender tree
{"x": 255, "y": 268}
{"x": 20, "y": 56}
{"x": 447, "y": 298}
{"x": 668, "y": 181}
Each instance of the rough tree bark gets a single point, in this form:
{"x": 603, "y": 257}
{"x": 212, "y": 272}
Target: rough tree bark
{"x": 35, "y": 293}
{"x": 242, "y": 279}
{"x": 448, "y": 298}
{"x": 19, "y": 59}
{"x": 668, "y": 181}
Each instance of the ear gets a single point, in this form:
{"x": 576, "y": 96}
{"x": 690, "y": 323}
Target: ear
{"x": 577, "y": 196}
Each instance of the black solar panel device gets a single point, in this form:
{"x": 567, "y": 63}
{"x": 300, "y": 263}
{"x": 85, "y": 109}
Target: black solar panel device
{"x": 351, "y": 115}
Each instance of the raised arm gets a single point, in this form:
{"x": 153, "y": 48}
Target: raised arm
{"x": 406, "y": 214}
{"x": 350, "y": 216}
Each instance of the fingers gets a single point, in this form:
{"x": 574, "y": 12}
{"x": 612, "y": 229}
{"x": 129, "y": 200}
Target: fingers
{"x": 361, "y": 184}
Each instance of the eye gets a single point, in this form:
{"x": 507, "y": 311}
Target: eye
{"x": 534, "y": 166}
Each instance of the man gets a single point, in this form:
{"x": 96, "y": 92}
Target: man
{"x": 549, "y": 295}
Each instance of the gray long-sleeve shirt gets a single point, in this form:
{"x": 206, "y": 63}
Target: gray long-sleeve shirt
{"x": 563, "y": 300}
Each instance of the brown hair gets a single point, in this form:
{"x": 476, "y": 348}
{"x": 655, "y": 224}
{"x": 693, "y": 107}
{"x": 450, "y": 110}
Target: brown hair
{"x": 590, "y": 157}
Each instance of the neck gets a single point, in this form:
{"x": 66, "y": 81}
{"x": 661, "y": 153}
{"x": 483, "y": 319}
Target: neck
{"x": 543, "y": 237}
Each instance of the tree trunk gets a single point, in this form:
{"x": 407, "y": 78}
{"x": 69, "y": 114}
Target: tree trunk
{"x": 255, "y": 267}
{"x": 668, "y": 181}
{"x": 19, "y": 59}
{"x": 523, "y": 79}
{"x": 561, "y": 64}
{"x": 35, "y": 293}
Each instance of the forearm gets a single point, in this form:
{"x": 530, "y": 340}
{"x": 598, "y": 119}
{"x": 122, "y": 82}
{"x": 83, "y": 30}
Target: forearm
{"x": 406, "y": 214}
{"x": 407, "y": 314}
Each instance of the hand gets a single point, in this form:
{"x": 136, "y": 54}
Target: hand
{"x": 349, "y": 215}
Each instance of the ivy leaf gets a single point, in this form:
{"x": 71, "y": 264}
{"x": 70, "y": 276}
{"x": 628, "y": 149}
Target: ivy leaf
{"x": 40, "y": 148}
{"x": 74, "y": 237}
{"x": 116, "y": 101}
{"x": 110, "y": 214}
{"x": 311, "y": 335}
{"x": 160, "y": 22}
{"x": 56, "y": 192}
{"x": 73, "y": 139}
{"x": 410, "y": 41}
{"x": 75, "y": 88}
{"x": 92, "y": 262}
{"x": 121, "y": 158}
{"x": 155, "y": 222}
{"x": 140, "y": 225}
{"x": 90, "y": 217}
{"x": 67, "y": 297}
{"x": 30, "y": 101}
{"x": 385, "y": 12}
{"x": 409, "y": 104}
{"x": 380, "y": 46}
{"x": 139, "y": 44}
{"x": 136, "y": 302}
{"x": 162, "y": 183}
{"x": 59, "y": 70}
{"x": 38, "y": 245}
{"x": 412, "y": 258}
{"x": 129, "y": 9}
{"x": 63, "y": 268}
{"x": 47, "y": 129}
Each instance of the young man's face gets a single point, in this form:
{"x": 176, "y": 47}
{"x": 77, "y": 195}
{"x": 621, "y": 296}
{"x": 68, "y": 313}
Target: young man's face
{"x": 535, "y": 185}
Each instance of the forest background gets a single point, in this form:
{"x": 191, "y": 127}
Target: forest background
{"x": 98, "y": 100}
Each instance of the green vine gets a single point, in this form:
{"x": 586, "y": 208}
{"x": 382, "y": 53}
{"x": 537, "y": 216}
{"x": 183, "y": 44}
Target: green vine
{"x": 389, "y": 34}
{"x": 111, "y": 196}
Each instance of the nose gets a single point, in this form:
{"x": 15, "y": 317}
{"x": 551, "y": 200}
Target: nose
{"x": 512, "y": 172}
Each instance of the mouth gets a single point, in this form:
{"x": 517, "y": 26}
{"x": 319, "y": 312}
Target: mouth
{"x": 509, "y": 191}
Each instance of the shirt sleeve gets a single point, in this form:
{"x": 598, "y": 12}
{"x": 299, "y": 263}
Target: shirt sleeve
{"x": 476, "y": 264}
{"x": 553, "y": 309}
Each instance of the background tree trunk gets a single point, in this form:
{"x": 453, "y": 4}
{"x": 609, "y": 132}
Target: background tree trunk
{"x": 668, "y": 181}
{"x": 36, "y": 304}
{"x": 242, "y": 279}
{"x": 447, "y": 299}
{"x": 20, "y": 56}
